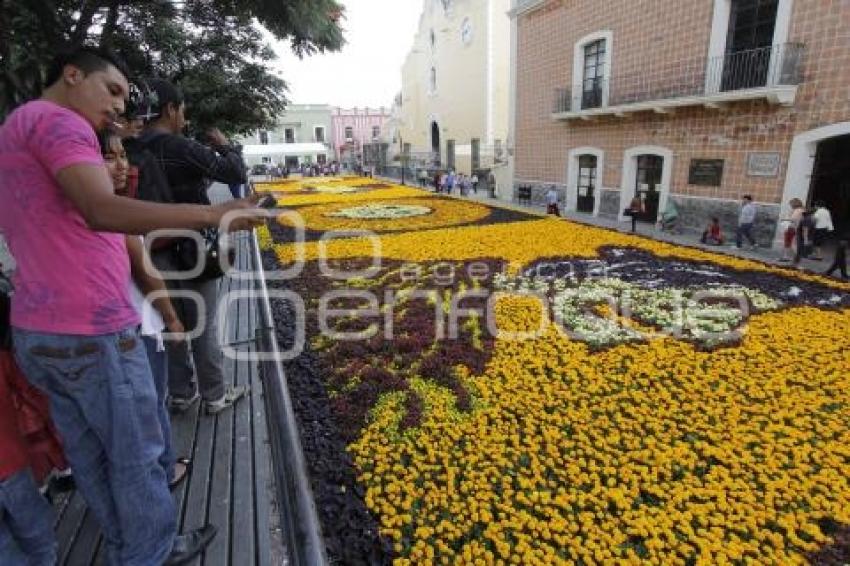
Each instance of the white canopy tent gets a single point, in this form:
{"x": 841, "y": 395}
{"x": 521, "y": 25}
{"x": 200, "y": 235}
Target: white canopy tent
{"x": 274, "y": 153}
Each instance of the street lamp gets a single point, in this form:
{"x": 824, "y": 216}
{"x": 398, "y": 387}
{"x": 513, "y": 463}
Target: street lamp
{"x": 401, "y": 152}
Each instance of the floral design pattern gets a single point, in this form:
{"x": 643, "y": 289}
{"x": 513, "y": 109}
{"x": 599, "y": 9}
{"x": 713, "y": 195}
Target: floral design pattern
{"x": 628, "y": 446}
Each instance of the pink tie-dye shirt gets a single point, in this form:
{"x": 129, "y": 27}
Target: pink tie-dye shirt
{"x": 69, "y": 278}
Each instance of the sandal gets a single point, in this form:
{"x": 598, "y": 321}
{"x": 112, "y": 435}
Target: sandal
{"x": 180, "y": 476}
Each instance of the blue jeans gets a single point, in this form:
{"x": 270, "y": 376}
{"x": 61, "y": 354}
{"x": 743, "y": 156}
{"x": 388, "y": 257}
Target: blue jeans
{"x": 26, "y": 523}
{"x": 159, "y": 369}
{"x": 744, "y": 230}
{"x": 104, "y": 404}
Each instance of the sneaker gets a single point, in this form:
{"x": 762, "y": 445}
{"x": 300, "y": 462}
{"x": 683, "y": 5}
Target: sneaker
{"x": 188, "y": 546}
{"x": 180, "y": 405}
{"x": 231, "y": 395}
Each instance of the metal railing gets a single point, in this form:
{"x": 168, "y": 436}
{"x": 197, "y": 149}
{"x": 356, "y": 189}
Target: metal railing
{"x": 299, "y": 517}
{"x": 753, "y": 68}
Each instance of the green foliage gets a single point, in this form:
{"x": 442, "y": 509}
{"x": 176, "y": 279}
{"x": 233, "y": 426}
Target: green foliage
{"x": 214, "y": 49}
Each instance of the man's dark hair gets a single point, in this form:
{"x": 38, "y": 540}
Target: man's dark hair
{"x": 748, "y": 197}
{"x": 165, "y": 93}
{"x": 87, "y": 59}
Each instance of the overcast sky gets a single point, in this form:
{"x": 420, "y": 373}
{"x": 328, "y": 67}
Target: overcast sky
{"x": 367, "y": 72}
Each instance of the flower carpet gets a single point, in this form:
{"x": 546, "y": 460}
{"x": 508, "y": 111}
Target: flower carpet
{"x": 501, "y": 388}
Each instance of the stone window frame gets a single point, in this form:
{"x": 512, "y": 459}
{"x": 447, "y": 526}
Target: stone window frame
{"x": 578, "y": 64}
{"x": 720, "y": 32}
{"x": 316, "y": 130}
{"x": 573, "y": 172}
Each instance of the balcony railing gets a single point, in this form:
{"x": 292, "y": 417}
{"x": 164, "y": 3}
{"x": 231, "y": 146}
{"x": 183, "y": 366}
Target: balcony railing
{"x": 767, "y": 67}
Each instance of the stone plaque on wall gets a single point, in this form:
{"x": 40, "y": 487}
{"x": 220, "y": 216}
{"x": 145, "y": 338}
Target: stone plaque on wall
{"x": 706, "y": 172}
{"x": 765, "y": 164}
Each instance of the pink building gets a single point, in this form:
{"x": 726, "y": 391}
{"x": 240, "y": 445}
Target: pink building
{"x": 352, "y": 128}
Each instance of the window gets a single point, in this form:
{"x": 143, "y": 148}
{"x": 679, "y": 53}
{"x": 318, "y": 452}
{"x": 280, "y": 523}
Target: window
{"x": 594, "y": 74}
{"x": 650, "y": 169}
{"x": 749, "y": 44}
{"x": 433, "y": 80}
{"x": 320, "y": 134}
{"x": 264, "y": 137}
{"x": 591, "y": 73}
{"x": 376, "y": 132}
{"x": 289, "y": 135}
{"x": 747, "y": 47}
{"x": 321, "y": 159}
{"x": 349, "y": 133}
{"x": 586, "y": 183}
{"x": 267, "y": 159}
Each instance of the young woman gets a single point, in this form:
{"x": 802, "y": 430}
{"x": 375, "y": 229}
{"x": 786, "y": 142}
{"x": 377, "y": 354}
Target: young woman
{"x": 157, "y": 315}
{"x": 793, "y": 232}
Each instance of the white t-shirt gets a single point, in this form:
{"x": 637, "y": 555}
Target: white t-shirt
{"x": 823, "y": 220}
{"x": 552, "y": 197}
{"x": 152, "y": 323}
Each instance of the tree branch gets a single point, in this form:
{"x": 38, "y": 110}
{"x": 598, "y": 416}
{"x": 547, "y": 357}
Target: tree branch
{"x": 45, "y": 11}
{"x": 90, "y": 8}
{"x": 110, "y": 25}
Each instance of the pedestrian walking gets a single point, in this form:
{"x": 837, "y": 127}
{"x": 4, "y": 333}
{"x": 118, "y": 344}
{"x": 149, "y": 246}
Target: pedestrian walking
{"x": 791, "y": 231}
{"x": 823, "y": 229}
{"x": 839, "y": 261}
{"x": 746, "y": 219}
{"x": 474, "y": 181}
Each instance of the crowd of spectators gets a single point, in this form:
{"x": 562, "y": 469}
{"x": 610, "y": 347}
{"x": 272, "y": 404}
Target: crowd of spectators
{"x": 96, "y": 345}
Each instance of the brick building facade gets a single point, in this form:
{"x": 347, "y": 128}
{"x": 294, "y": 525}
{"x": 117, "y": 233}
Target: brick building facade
{"x": 697, "y": 102}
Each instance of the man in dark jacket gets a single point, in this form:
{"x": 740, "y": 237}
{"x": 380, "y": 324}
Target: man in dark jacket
{"x": 189, "y": 168}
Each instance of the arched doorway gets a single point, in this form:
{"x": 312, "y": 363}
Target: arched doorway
{"x": 813, "y": 167}
{"x": 435, "y": 142}
{"x": 647, "y": 171}
{"x": 831, "y": 180}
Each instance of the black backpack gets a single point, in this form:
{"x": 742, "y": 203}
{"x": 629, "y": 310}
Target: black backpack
{"x": 153, "y": 184}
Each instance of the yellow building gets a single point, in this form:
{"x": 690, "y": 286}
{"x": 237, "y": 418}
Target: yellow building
{"x": 455, "y": 86}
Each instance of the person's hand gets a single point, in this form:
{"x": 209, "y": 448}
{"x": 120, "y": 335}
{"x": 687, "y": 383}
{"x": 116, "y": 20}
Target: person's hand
{"x": 176, "y": 329}
{"x": 250, "y": 215}
{"x": 216, "y": 137}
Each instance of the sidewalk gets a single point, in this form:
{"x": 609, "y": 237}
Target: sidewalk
{"x": 762, "y": 254}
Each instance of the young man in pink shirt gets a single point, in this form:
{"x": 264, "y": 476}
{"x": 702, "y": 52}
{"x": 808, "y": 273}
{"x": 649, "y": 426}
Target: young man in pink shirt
{"x": 74, "y": 325}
